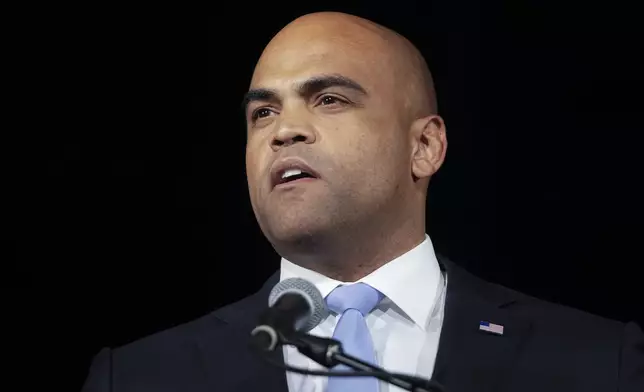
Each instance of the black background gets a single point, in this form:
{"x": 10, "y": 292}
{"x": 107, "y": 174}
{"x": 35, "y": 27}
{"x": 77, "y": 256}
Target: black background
{"x": 137, "y": 217}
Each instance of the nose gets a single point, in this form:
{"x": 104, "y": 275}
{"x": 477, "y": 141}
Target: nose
{"x": 289, "y": 134}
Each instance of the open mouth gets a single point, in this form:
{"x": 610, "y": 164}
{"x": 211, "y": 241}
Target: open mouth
{"x": 292, "y": 170}
{"x": 294, "y": 174}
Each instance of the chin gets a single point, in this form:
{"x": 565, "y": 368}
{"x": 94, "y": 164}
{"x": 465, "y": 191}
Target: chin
{"x": 292, "y": 232}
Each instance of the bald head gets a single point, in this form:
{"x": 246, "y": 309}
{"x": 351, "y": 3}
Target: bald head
{"x": 349, "y": 105}
{"x": 386, "y": 53}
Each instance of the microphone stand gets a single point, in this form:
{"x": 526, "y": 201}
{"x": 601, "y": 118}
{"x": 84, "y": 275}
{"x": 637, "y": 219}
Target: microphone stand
{"x": 329, "y": 353}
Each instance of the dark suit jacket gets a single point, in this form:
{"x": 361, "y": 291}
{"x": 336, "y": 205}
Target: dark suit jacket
{"x": 545, "y": 347}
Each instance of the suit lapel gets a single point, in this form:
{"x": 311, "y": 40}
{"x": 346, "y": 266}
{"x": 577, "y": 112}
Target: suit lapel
{"x": 229, "y": 363}
{"x": 468, "y": 358}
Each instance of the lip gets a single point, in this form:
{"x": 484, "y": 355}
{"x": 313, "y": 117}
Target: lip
{"x": 293, "y": 184}
{"x": 280, "y": 166}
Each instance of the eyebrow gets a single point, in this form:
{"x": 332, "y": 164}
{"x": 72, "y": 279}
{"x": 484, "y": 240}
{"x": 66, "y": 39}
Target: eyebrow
{"x": 305, "y": 88}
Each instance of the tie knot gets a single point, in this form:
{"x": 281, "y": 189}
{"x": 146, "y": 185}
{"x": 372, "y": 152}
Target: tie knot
{"x": 358, "y": 296}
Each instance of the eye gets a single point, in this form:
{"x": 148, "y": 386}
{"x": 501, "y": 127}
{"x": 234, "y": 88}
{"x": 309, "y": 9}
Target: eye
{"x": 330, "y": 100}
{"x": 260, "y": 113}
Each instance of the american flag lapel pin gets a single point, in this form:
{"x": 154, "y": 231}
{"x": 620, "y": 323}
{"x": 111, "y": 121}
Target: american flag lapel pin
{"x": 491, "y": 327}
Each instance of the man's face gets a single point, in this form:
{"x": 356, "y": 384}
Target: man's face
{"x": 326, "y": 106}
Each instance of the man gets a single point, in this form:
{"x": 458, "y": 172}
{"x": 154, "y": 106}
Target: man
{"x": 343, "y": 138}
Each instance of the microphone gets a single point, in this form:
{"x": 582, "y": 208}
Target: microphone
{"x": 295, "y": 305}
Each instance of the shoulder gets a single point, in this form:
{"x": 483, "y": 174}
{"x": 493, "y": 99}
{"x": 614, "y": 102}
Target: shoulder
{"x": 560, "y": 317}
{"x": 181, "y": 344}
{"x": 555, "y": 336}
{"x": 558, "y": 323}
{"x": 174, "y": 356}
{"x": 562, "y": 334}
{"x": 216, "y": 322}
{"x": 551, "y": 315}
{"x": 524, "y": 305}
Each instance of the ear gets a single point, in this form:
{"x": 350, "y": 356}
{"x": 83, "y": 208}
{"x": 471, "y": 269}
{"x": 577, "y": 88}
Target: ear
{"x": 429, "y": 146}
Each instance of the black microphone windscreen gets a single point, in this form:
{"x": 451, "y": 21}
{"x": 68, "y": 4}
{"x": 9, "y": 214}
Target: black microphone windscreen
{"x": 319, "y": 309}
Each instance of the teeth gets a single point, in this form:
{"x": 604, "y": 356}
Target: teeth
{"x": 291, "y": 172}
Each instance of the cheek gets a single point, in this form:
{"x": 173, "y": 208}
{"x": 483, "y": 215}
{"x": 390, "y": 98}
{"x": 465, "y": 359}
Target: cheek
{"x": 372, "y": 143}
{"x": 383, "y": 164}
{"x": 367, "y": 163}
{"x": 253, "y": 168}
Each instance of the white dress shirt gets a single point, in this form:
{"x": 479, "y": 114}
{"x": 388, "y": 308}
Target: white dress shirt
{"x": 405, "y": 326}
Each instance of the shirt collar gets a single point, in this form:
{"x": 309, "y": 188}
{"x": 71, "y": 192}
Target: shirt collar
{"x": 410, "y": 281}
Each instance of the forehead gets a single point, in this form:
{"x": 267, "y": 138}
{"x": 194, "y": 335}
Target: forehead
{"x": 286, "y": 61}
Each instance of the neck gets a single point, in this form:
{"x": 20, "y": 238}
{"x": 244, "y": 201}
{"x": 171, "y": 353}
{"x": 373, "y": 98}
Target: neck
{"x": 348, "y": 258}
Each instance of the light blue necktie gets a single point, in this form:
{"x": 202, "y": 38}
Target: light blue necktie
{"x": 353, "y": 302}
